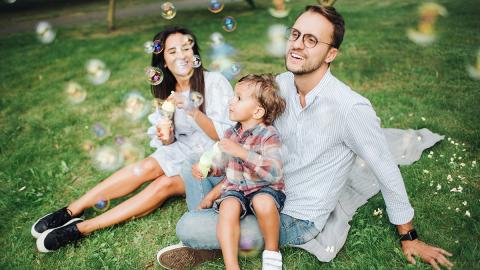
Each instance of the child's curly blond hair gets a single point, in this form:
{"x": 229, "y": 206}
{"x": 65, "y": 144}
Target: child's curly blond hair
{"x": 267, "y": 94}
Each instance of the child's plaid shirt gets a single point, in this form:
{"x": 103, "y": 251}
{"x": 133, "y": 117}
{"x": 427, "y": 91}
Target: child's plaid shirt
{"x": 263, "y": 166}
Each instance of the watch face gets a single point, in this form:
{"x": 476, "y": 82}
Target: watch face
{"x": 411, "y": 235}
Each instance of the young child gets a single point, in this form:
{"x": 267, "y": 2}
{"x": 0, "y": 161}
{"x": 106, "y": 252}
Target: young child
{"x": 253, "y": 180}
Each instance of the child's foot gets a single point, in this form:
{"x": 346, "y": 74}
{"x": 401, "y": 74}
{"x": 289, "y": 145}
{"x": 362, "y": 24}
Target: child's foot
{"x": 50, "y": 221}
{"x": 53, "y": 239}
{"x": 271, "y": 260}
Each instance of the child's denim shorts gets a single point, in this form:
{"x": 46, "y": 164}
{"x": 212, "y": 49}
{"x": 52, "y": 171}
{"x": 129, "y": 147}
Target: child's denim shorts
{"x": 246, "y": 200}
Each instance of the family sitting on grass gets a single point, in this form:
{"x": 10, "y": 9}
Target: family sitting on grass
{"x": 286, "y": 166}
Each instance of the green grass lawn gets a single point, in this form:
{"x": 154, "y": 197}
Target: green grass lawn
{"x": 43, "y": 165}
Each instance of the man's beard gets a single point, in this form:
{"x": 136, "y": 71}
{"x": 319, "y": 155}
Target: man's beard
{"x": 305, "y": 69}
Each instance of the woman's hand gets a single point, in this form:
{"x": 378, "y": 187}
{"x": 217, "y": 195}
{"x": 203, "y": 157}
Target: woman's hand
{"x": 164, "y": 139}
{"x": 196, "y": 172}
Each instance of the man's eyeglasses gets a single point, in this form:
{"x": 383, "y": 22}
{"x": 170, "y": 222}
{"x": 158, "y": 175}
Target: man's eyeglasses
{"x": 309, "y": 40}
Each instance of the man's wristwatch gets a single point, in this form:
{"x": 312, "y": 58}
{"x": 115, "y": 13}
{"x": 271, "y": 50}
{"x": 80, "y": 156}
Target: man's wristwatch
{"x": 409, "y": 236}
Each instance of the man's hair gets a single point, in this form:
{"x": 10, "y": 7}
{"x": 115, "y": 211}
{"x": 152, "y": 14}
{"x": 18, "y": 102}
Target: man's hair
{"x": 331, "y": 14}
{"x": 267, "y": 94}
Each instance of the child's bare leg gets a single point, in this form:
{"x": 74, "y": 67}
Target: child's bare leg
{"x": 268, "y": 220}
{"x": 119, "y": 184}
{"x": 228, "y": 231}
{"x": 139, "y": 205}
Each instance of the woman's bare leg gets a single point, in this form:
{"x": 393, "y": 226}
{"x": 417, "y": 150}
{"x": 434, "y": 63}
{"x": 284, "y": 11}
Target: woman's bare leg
{"x": 142, "y": 203}
{"x": 119, "y": 184}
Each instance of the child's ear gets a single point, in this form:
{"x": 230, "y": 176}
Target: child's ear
{"x": 259, "y": 113}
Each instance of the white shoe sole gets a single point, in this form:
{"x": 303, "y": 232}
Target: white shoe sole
{"x": 166, "y": 249}
{"x": 40, "y": 240}
{"x": 36, "y": 234}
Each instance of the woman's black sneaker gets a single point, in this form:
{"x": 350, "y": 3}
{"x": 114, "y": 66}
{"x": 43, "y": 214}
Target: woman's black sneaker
{"x": 53, "y": 239}
{"x": 50, "y": 221}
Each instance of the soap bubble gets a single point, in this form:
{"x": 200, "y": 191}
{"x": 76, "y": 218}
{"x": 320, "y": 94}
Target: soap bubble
{"x": 97, "y": 71}
{"x": 168, "y": 10}
{"x": 326, "y": 3}
{"x": 215, "y": 6}
{"x": 425, "y": 34}
{"x": 188, "y": 40}
{"x": 45, "y": 32}
{"x": 148, "y": 47}
{"x": 119, "y": 140}
{"x": 137, "y": 169}
{"x": 474, "y": 71}
{"x": 88, "y": 146}
{"x": 249, "y": 246}
{"x": 183, "y": 68}
{"x": 157, "y": 46}
{"x": 196, "y": 61}
{"x": 217, "y": 39}
{"x": 102, "y": 204}
{"x": 107, "y": 158}
{"x": 229, "y": 24}
{"x": 131, "y": 153}
{"x": 136, "y": 106}
{"x": 75, "y": 93}
{"x": 280, "y": 9}
{"x": 196, "y": 98}
{"x": 277, "y": 40}
{"x": 235, "y": 69}
{"x": 154, "y": 75}
{"x": 99, "y": 130}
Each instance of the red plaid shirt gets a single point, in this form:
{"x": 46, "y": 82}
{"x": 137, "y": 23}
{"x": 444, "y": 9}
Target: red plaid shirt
{"x": 263, "y": 166}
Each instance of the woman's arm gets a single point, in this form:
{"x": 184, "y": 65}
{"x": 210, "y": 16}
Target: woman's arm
{"x": 218, "y": 92}
{"x": 205, "y": 123}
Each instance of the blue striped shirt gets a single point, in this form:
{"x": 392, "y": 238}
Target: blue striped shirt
{"x": 320, "y": 144}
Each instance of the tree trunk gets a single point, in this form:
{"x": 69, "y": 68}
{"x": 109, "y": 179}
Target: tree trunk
{"x": 111, "y": 15}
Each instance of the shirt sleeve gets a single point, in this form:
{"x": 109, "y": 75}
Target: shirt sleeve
{"x": 220, "y": 91}
{"x": 152, "y": 130}
{"x": 364, "y": 136}
{"x": 267, "y": 165}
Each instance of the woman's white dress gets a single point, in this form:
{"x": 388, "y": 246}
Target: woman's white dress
{"x": 191, "y": 141}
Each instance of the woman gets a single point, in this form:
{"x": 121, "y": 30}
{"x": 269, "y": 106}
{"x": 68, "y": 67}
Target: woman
{"x": 194, "y": 131}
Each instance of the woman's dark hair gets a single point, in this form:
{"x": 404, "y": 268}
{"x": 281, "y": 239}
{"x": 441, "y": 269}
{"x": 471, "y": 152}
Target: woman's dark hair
{"x": 197, "y": 82}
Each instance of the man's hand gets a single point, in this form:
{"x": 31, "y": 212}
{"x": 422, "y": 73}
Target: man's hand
{"x": 196, "y": 172}
{"x": 232, "y": 148}
{"x": 432, "y": 255}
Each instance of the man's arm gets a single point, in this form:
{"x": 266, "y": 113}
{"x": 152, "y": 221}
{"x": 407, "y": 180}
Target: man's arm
{"x": 365, "y": 137}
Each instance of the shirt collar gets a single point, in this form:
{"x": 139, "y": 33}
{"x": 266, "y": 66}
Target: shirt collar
{"x": 252, "y": 131}
{"x": 318, "y": 89}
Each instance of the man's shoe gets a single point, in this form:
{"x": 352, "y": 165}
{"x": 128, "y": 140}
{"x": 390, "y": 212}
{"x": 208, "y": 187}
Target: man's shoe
{"x": 53, "y": 239}
{"x": 179, "y": 256}
{"x": 50, "y": 221}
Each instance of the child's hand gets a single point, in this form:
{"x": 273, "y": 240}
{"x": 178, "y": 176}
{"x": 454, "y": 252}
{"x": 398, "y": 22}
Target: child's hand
{"x": 232, "y": 148}
{"x": 206, "y": 203}
{"x": 208, "y": 200}
{"x": 196, "y": 172}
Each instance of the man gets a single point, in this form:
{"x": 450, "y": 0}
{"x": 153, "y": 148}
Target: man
{"x": 324, "y": 128}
